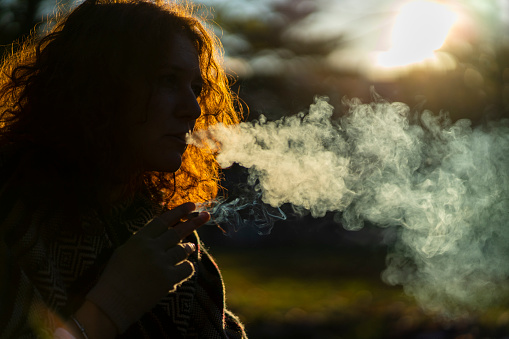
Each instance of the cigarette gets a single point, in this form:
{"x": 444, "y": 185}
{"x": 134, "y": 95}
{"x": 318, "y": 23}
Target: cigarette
{"x": 189, "y": 216}
{"x": 193, "y": 215}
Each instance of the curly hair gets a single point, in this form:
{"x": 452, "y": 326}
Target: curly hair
{"x": 63, "y": 95}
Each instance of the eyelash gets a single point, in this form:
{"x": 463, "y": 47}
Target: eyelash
{"x": 170, "y": 80}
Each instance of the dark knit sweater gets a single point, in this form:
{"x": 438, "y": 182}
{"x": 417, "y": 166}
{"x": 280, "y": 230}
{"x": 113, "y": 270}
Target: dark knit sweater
{"x": 47, "y": 268}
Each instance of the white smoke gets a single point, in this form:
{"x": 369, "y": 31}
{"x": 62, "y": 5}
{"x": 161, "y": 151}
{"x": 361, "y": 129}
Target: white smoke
{"x": 444, "y": 187}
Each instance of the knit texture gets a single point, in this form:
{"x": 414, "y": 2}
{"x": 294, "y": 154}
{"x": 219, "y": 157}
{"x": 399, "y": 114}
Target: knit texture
{"x": 47, "y": 267}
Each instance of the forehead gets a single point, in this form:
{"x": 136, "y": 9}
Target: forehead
{"x": 180, "y": 53}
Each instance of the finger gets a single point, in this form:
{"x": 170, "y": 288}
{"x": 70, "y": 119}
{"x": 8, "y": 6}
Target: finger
{"x": 173, "y": 216}
{"x": 153, "y": 228}
{"x": 169, "y": 238}
{"x": 189, "y": 216}
{"x": 161, "y": 223}
{"x": 186, "y": 228}
{"x": 181, "y": 272}
{"x": 179, "y": 253}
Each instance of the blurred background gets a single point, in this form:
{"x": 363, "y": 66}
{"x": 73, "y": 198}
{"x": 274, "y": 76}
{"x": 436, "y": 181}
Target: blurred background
{"x": 310, "y": 278}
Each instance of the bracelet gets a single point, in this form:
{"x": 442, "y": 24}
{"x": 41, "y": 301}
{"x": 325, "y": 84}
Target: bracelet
{"x": 62, "y": 333}
{"x": 80, "y": 327}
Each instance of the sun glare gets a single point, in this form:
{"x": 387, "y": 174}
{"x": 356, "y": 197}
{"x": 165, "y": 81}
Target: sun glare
{"x": 420, "y": 29}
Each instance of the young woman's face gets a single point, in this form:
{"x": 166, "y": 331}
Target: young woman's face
{"x": 158, "y": 129}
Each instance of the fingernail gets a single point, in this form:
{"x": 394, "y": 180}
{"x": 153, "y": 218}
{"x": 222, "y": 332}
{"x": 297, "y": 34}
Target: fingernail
{"x": 189, "y": 247}
{"x": 191, "y": 206}
{"x": 204, "y": 215}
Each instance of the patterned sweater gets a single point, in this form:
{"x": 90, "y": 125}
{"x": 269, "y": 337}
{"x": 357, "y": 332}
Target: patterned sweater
{"x": 47, "y": 268}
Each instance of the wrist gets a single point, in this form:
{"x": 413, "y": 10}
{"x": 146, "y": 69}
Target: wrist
{"x": 90, "y": 322}
{"x": 115, "y": 306}
{"x": 79, "y": 326}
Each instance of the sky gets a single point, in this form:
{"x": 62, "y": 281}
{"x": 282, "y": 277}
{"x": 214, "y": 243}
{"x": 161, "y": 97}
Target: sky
{"x": 368, "y": 26}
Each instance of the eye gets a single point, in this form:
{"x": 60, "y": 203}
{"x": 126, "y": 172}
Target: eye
{"x": 197, "y": 89}
{"x": 167, "y": 80}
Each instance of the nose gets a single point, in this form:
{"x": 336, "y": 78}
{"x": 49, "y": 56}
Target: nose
{"x": 188, "y": 108}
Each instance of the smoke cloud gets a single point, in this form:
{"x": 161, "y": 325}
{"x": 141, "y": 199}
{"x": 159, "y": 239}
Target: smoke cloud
{"x": 444, "y": 188}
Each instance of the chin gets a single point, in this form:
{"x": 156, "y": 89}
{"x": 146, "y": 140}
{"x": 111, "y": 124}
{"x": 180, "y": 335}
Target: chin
{"x": 172, "y": 165}
{"x": 169, "y": 164}
{"x": 172, "y": 169}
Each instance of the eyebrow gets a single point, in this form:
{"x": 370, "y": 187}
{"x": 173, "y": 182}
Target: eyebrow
{"x": 180, "y": 69}
{"x": 193, "y": 72}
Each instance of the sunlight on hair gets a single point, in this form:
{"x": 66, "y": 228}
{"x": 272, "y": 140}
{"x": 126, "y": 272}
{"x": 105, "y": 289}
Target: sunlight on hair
{"x": 420, "y": 29}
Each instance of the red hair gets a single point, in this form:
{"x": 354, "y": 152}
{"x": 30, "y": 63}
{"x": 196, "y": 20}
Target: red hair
{"x": 64, "y": 94}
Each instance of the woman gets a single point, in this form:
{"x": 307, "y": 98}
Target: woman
{"x": 97, "y": 183}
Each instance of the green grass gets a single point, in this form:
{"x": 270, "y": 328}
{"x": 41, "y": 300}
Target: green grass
{"x": 315, "y": 293}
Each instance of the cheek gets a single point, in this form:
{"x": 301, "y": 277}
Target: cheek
{"x": 160, "y": 107}
{"x": 160, "y": 156}
{"x": 138, "y": 138}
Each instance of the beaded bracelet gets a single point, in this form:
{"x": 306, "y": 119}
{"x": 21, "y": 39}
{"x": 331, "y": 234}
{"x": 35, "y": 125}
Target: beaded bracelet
{"x": 81, "y": 328}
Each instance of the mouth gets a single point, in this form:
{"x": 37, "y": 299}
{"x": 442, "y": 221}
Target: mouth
{"x": 178, "y": 139}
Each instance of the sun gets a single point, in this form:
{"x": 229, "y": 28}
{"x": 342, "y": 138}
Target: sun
{"x": 420, "y": 29}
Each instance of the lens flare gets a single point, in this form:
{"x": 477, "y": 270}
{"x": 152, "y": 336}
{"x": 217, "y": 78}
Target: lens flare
{"x": 420, "y": 29}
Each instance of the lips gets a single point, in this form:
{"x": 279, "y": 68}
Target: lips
{"x": 179, "y": 139}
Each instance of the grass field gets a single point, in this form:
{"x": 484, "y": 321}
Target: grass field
{"x": 296, "y": 291}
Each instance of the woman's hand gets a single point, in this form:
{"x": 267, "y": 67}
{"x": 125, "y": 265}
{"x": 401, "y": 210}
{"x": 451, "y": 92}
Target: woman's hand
{"x": 149, "y": 265}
